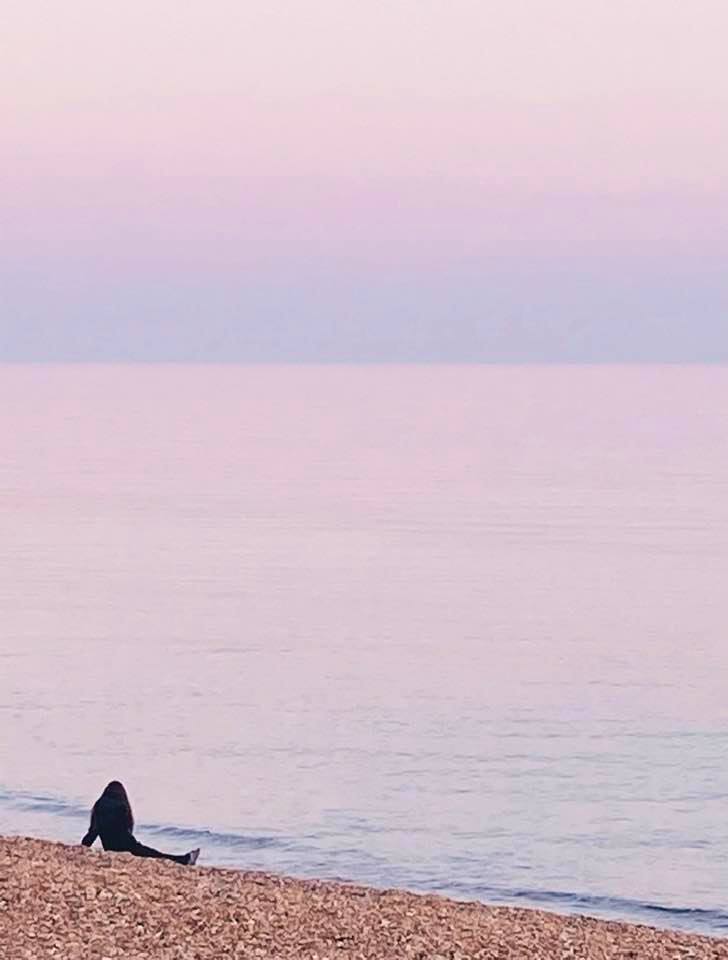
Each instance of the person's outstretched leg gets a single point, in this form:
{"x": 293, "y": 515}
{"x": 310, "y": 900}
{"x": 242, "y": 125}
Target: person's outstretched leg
{"x": 139, "y": 850}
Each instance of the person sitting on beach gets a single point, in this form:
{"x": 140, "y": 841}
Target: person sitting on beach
{"x": 112, "y": 820}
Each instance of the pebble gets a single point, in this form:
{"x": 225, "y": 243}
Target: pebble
{"x": 70, "y": 902}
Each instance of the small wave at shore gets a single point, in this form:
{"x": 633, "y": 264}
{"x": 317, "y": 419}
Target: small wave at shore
{"x": 36, "y": 803}
{"x": 19, "y": 800}
{"x": 696, "y": 919}
{"x": 303, "y": 857}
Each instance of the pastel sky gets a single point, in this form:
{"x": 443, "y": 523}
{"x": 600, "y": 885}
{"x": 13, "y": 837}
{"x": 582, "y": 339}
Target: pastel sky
{"x": 381, "y": 180}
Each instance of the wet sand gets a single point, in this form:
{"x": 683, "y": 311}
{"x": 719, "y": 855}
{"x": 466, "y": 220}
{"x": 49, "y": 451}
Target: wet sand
{"x": 74, "y": 904}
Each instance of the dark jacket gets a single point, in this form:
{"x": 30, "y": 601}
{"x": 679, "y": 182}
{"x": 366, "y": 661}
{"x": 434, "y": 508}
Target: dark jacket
{"x": 110, "y": 820}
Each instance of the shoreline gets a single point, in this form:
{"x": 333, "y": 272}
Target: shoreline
{"x": 72, "y": 903}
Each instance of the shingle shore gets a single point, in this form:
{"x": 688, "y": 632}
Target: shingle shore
{"x": 75, "y": 904}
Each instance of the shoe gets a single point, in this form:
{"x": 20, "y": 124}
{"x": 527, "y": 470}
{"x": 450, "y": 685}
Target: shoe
{"x": 192, "y": 857}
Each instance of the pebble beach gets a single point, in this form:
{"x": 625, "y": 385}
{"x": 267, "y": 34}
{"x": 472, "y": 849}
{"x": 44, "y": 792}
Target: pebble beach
{"x": 76, "y": 904}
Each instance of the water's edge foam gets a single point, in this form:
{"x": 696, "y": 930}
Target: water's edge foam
{"x": 694, "y": 919}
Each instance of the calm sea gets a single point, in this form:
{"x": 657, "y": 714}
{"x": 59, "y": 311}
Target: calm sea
{"x": 461, "y": 629}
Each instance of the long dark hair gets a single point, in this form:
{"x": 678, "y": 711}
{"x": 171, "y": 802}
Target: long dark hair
{"x": 115, "y": 791}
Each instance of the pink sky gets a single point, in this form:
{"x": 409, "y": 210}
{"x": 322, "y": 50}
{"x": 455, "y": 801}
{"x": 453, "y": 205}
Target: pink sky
{"x": 568, "y": 92}
{"x": 214, "y": 136}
